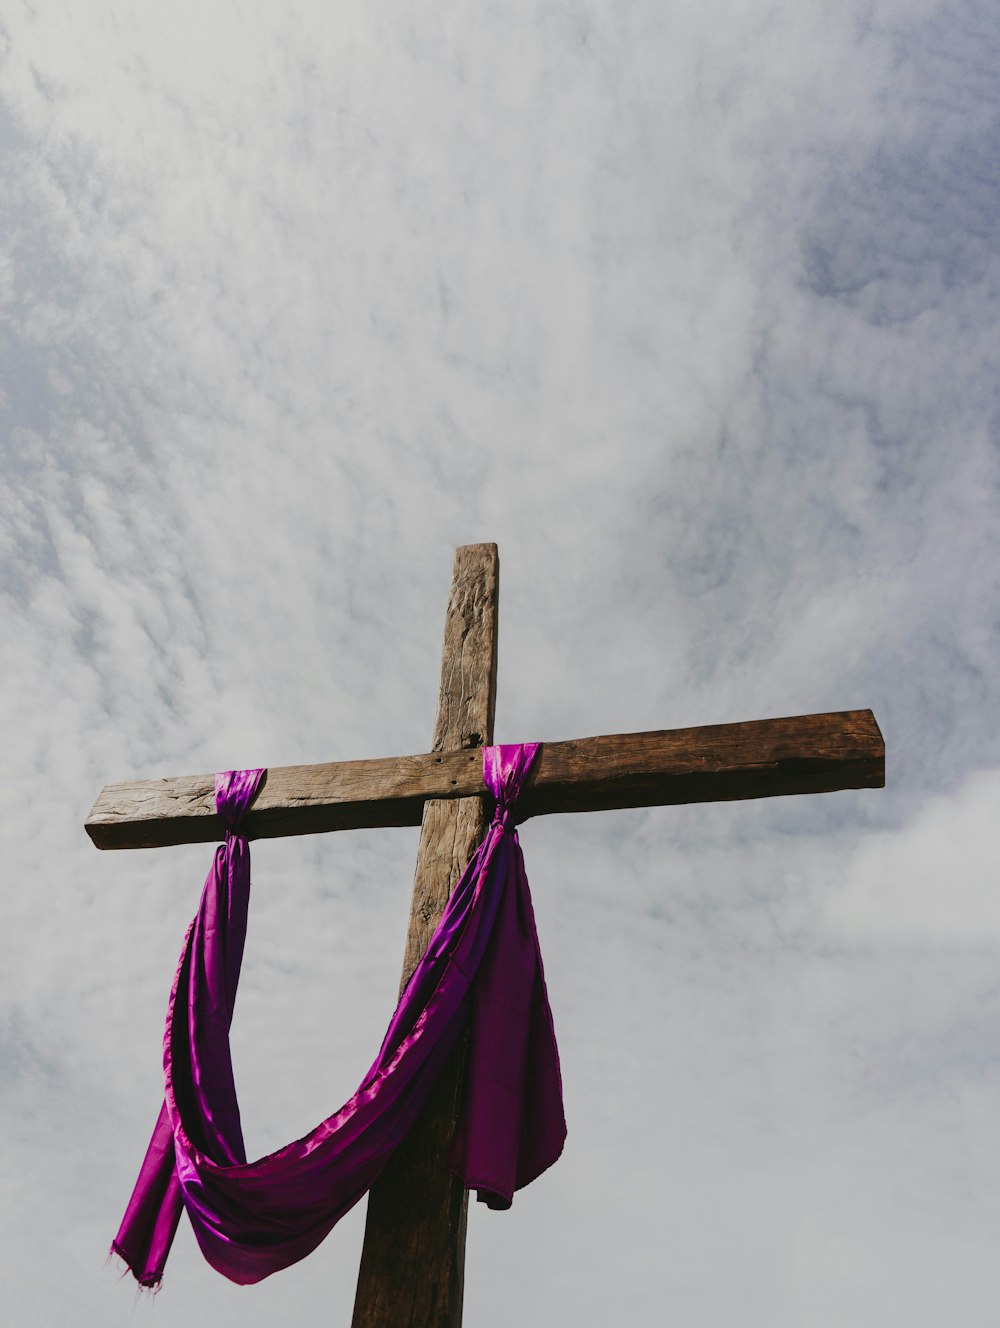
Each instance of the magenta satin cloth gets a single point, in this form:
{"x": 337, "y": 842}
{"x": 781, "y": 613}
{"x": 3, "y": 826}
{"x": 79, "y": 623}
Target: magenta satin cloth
{"x": 482, "y": 966}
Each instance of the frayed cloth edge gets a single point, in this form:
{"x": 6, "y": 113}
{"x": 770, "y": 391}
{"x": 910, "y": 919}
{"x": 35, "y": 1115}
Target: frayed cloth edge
{"x": 149, "y": 1282}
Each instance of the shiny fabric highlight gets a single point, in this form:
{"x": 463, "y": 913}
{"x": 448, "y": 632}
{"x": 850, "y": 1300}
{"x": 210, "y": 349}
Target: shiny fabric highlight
{"x": 482, "y": 965}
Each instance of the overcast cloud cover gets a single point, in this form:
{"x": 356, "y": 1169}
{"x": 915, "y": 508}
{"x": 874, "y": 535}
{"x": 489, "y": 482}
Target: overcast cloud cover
{"x": 691, "y": 308}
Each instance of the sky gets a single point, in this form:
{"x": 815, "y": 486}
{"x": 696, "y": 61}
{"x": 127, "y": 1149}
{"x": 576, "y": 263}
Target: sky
{"x": 692, "y": 310}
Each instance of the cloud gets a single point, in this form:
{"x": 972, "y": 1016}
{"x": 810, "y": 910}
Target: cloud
{"x": 932, "y": 881}
{"x": 693, "y": 312}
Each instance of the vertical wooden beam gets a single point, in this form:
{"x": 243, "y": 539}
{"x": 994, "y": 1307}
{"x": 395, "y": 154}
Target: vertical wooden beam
{"x": 413, "y": 1261}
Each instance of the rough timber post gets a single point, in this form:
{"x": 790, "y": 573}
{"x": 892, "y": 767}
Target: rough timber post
{"x": 413, "y": 1262}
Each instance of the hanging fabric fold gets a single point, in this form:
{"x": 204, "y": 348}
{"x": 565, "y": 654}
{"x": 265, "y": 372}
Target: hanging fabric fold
{"x": 482, "y": 966}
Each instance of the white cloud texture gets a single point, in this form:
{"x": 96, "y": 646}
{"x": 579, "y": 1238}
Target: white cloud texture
{"x": 692, "y": 310}
{"x": 932, "y": 882}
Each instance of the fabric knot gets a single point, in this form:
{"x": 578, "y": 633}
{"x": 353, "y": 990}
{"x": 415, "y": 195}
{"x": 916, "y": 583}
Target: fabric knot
{"x": 503, "y": 816}
{"x": 505, "y": 769}
{"x": 235, "y": 790}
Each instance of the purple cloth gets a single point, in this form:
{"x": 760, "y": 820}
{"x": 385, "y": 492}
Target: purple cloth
{"x": 482, "y": 965}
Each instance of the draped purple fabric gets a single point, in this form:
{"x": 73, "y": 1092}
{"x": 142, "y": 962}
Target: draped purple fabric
{"x": 482, "y": 966}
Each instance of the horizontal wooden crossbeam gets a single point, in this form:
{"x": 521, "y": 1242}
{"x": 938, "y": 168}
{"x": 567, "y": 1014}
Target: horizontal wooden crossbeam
{"x": 717, "y": 763}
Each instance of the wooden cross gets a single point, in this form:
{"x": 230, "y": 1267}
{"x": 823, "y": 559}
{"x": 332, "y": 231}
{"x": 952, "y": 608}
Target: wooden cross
{"x": 411, "y": 1273}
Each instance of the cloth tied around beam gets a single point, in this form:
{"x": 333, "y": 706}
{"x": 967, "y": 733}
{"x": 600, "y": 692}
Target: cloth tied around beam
{"x": 482, "y": 967}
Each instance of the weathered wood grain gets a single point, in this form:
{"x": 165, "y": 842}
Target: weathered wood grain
{"x": 413, "y": 1261}
{"x": 718, "y": 762}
